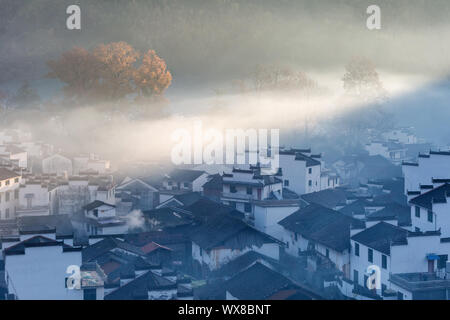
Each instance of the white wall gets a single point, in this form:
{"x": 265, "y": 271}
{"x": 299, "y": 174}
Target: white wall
{"x": 40, "y": 273}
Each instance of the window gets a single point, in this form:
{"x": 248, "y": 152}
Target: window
{"x": 186, "y": 184}
{"x": 327, "y": 253}
{"x": 7, "y": 182}
{"x": 249, "y": 190}
{"x": 309, "y": 170}
{"x": 16, "y": 180}
{"x": 417, "y": 212}
{"x": 399, "y": 295}
{"x": 310, "y": 183}
{"x": 96, "y": 212}
{"x": 16, "y": 194}
{"x": 430, "y": 216}
{"x": 247, "y": 207}
{"x": 417, "y": 229}
{"x": 384, "y": 261}
{"x": 233, "y": 189}
{"x": 201, "y": 252}
{"x": 295, "y": 236}
{"x": 7, "y": 196}
{"x": 286, "y": 183}
{"x": 357, "y": 249}
{"x": 90, "y": 294}
{"x": 370, "y": 255}
{"x": 355, "y": 277}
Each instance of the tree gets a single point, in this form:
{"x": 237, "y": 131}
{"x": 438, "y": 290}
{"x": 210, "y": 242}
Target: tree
{"x": 152, "y": 77}
{"x": 267, "y": 78}
{"x": 362, "y": 81}
{"x": 117, "y": 70}
{"x": 79, "y": 70}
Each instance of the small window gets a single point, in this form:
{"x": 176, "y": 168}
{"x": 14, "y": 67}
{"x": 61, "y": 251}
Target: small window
{"x": 96, "y": 212}
{"x": 384, "y": 261}
{"x": 7, "y": 182}
{"x": 295, "y": 236}
{"x": 310, "y": 183}
{"x": 417, "y": 229}
{"x": 286, "y": 183}
{"x": 247, "y": 207}
{"x": 370, "y": 255}
{"x": 357, "y": 249}
{"x": 249, "y": 190}
{"x": 399, "y": 295}
{"x": 355, "y": 277}
{"x": 430, "y": 216}
{"x": 327, "y": 253}
{"x": 417, "y": 212}
{"x": 16, "y": 180}
{"x": 233, "y": 189}
{"x": 309, "y": 170}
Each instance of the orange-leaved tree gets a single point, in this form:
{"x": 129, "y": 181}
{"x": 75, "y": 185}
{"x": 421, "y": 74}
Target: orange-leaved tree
{"x": 117, "y": 69}
{"x": 78, "y": 69}
{"x": 152, "y": 77}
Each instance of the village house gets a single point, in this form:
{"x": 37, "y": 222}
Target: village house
{"x": 57, "y": 164}
{"x": 16, "y": 154}
{"x": 9, "y": 193}
{"x": 401, "y": 135}
{"x": 100, "y": 218}
{"x": 395, "y": 250}
{"x": 185, "y": 179}
{"x": 224, "y": 238}
{"x": 308, "y": 231}
{"x": 243, "y": 186}
{"x": 434, "y": 165}
{"x": 301, "y": 171}
{"x": 393, "y": 151}
{"x": 138, "y": 193}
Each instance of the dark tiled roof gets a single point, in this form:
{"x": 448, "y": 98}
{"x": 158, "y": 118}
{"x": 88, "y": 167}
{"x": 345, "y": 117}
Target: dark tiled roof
{"x": 168, "y": 217}
{"x": 138, "y": 288}
{"x": 329, "y": 198}
{"x": 436, "y": 195}
{"x": 328, "y": 227}
{"x": 184, "y": 175}
{"x": 99, "y": 248}
{"x": 39, "y": 224}
{"x": 310, "y": 162}
{"x": 214, "y": 182}
{"x": 204, "y": 209}
{"x": 7, "y": 174}
{"x": 188, "y": 198}
{"x": 224, "y": 230}
{"x": 95, "y": 204}
{"x": 36, "y": 241}
{"x": 381, "y": 236}
{"x": 260, "y": 283}
{"x": 241, "y": 263}
{"x": 393, "y": 211}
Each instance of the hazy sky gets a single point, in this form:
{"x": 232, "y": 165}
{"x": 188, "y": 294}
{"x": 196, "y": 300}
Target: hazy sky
{"x": 208, "y": 44}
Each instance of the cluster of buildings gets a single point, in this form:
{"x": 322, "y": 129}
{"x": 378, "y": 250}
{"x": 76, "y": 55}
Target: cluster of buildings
{"x": 396, "y": 145}
{"x": 74, "y": 227}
